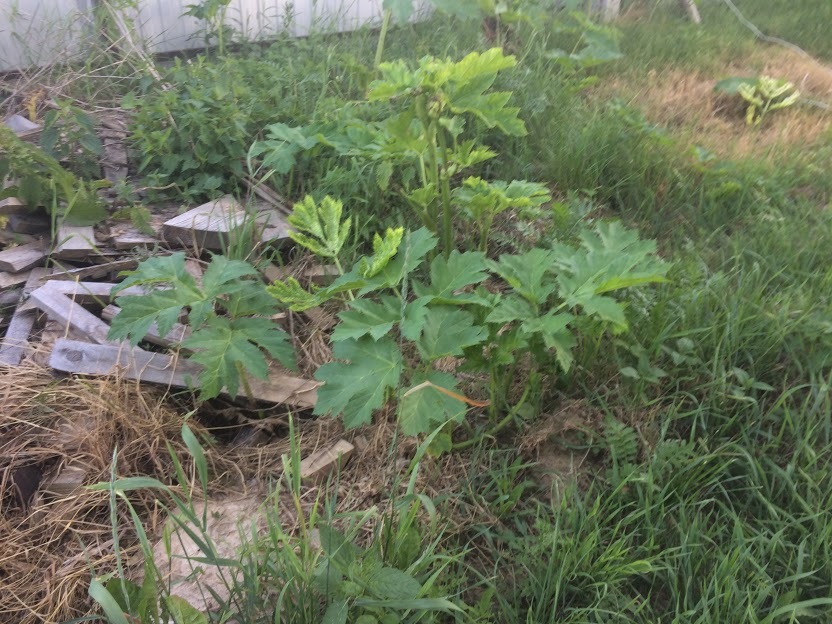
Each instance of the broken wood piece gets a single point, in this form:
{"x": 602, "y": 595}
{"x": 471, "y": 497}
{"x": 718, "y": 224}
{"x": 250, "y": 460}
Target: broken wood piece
{"x": 73, "y": 242}
{"x": 30, "y": 223}
{"x": 92, "y": 292}
{"x": 22, "y": 257}
{"x": 15, "y": 343}
{"x": 12, "y": 279}
{"x": 23, "y": 128}
{"x": 95, "y": 271}
{"x": 61, "y": 308}
{"x": 207, "y": 226}
{"x": 132, "y": 238}
{"x": 211, "y": 225}
{"x": 82, "y": 358}
{"x": 67, "y": 482}
{"x": 12, "y": 205}
{"x": 10, "y": 297}
{"x": 320, "y": 464}
{"x": 114, "y": 160}
{"x": 174, "y": 337}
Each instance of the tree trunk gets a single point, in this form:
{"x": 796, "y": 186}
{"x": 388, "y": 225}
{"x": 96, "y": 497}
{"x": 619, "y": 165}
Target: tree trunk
{"x": 693, "y": 13}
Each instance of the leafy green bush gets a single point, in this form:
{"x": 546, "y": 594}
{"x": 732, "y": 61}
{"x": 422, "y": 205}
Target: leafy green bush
{"x": 544, "y": 298}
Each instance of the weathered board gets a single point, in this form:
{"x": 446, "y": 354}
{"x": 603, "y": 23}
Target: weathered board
{"x": 83, "y": 358}
{"x": 74, "y": 242}
{"x": 63, "y": 309}
{"x": 22, "y": 257}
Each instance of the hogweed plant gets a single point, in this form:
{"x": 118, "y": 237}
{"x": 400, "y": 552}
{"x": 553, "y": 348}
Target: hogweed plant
{"x": 397, "y": 324}
{"x": 424, "y": 139}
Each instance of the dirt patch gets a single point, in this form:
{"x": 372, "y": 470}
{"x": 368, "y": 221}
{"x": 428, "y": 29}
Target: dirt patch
{"x": 684, "y": 101}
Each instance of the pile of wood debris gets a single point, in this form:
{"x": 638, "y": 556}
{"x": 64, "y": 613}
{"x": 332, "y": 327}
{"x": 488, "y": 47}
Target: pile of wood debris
{"x": 55, "y": 291}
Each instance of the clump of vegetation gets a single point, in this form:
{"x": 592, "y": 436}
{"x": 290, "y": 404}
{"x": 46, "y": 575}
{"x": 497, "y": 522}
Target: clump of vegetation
{"x": 763, "y": 95}
{"x": 42, "y": 181}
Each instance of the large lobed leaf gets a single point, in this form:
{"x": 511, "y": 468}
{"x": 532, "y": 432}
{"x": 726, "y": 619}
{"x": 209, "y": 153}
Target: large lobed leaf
{"x": 356, "y": 387}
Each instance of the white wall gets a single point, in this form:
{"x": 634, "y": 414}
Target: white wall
{"x": 38, "y": 32}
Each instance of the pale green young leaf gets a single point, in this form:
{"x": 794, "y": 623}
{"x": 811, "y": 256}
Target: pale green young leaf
{"x": 318, "y": 226}
{"x": 383, "y": 250}
{"x": 292, "y": 294}
{"x": 448, "y": 331}
{"x": 365, "y": 317}
{"x": 357, "y": 387}
{"x": 425, "y": 408}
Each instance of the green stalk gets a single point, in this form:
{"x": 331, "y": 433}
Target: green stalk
{"x": 433, "y": 158}
{"x": 385, "y": 26}
{"x": 445, "y": 190}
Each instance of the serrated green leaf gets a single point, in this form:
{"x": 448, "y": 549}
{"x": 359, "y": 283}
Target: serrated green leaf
{"x": 159, "y": 270}
{"x": 365, "y": 317}
{"x": 448, "y": 331}
{"x": 553, "y": 330}
{"x": 224, "y": 347}
{"x": 413, "y": 319}
{"x": 356, "y": 388}
{"x": 511, "y": 308}
{"x": 139, "y": 312}
{"x": 183, "y": 612}
{"x": 337, "y": 612}
{"x": 453, "y": 273}
{"x": 422, "y": 410}
{"x": 528, "y": 274}
{"x": 610, "y": 258}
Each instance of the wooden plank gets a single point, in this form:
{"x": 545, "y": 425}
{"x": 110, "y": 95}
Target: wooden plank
{"x": 323, "y": 462}
{"x": 30, "y": 223}
{"x": 67, "y": 482}
{"x": 131, "y": 238}
{"x": 95, "y": 271}
{"x": 70, "y": 314}
{"x": 73, "y": 241}
{"x": 91, "y": 292}
{"x": 12, "y": 279}
{"x": 22, "y": 257}
{"x": 72, "y": 356}
{"x": 15, "y": 343}
{"x": 207, "y": 226}
{"x": 272, "y": 226}
{"x": 11, "y": 205}
{"x": 174, "y": 337}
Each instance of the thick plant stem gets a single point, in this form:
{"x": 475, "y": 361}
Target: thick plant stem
{"x": 447, "y": 208}
{"x": 385, "y": 26}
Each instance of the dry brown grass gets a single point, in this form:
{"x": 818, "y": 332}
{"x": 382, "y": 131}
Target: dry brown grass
{"x": 48, "y": 547}
{"x": 684, "y": 101}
